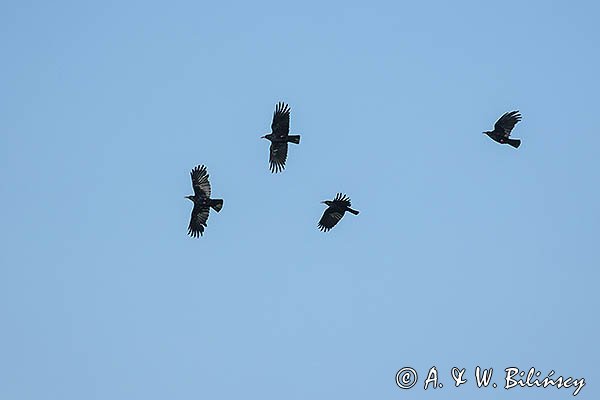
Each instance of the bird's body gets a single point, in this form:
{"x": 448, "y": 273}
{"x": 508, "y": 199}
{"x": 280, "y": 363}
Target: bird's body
{"x": 280, "y": 137}
{"x": 202, "y": 201}
{"x": 335, "y": 211}
{"x": 503, "y": 127}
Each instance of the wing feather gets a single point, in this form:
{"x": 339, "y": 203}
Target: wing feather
{"x": 280, "y": 127}
{"x": 277, "y": 156}
{"x": 330, "y": 218}
{"x": 507, "y": 122}
{"x": 200, "y": 181}
{"x": 342, "y": 200}
{"x": 198, "y": 221}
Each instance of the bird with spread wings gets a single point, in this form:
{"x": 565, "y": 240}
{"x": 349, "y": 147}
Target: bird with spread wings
{"x": 503, "y": 127}
{"x": 202, "y": 201}
{"x": 336, "y": 210}
{"x": 280, "y": 137}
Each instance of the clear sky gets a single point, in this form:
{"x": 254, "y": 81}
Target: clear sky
{"x": 465, "y": 252}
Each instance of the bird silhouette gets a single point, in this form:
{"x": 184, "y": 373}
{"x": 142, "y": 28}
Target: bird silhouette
{"x": 336, "y": 210}
{"x": 503, "y": 127}
{"x": 202, "y": 201}
{"x": 280, "y": 137}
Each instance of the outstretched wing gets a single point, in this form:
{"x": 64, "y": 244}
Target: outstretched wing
{"x": 342, "y": 201}
{"x": 198, "y": 221}
{"x": 507, "y": 122}
{"x": 330, "y": 218}
{"x": 280, "y": 127}
{"x": 200, "y": 181}
{"x": 277, "y": 156}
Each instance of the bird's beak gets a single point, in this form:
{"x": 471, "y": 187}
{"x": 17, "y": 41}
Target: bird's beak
{"x": 323, "y": 202}
{"x": 263, "y": 137}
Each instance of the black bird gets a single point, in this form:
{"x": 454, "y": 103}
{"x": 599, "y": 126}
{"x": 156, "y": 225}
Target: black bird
{"x": 503, "y": 127}
{"x": 280, "y": 137}
{"x": 202, "y": 201}
{"x": 335, "y": 211}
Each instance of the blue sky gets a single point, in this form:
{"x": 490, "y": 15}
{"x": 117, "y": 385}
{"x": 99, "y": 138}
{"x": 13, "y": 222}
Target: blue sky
{"x": 465, "y": 252}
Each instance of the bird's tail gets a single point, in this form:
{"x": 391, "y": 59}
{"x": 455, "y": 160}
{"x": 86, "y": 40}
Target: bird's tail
{"x": 294, "y": 139}
{"x": 514, "y": 142}
{"x": 352, "y": 211}
{"x": 216, "y": 204}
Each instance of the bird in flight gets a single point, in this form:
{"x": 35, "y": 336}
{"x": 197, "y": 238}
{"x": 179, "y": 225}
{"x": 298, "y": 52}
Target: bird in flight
{"x": 280, "y": 137}
{"x": 503, "y": 127}
{"x": 202, "y": 201}
{"x": 336, "y": 210}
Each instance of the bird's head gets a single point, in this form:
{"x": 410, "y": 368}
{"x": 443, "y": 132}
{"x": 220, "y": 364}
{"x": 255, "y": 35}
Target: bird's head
{"x": 267, "y": 136}
{"x": 328, "y": 202}
{"x": 190, "y": 198}
{"x": 487, "y": 133}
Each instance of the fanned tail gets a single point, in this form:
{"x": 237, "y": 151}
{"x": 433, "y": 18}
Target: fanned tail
{"x": 216, "y": 204}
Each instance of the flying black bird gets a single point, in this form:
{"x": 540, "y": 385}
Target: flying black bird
{"x": 335, "y": 211}
{"x": 503, "y": 127}
{"x": 280, "y": 137}
{"x": 202, "y": 201}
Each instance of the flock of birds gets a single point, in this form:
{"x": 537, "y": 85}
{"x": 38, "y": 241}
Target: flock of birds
{"x": 279, "y": 138}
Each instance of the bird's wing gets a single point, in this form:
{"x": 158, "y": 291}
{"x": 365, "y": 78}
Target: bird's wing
{"x": 200, "y": 181}
{"x": 198, "y": 221}
{"x": 342, "y": 200}
{"x": 277, "y": 156}
{"x": 280, "y": 126}
{"x": 507, "y": 122}
{"x": 330, "y": 218}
